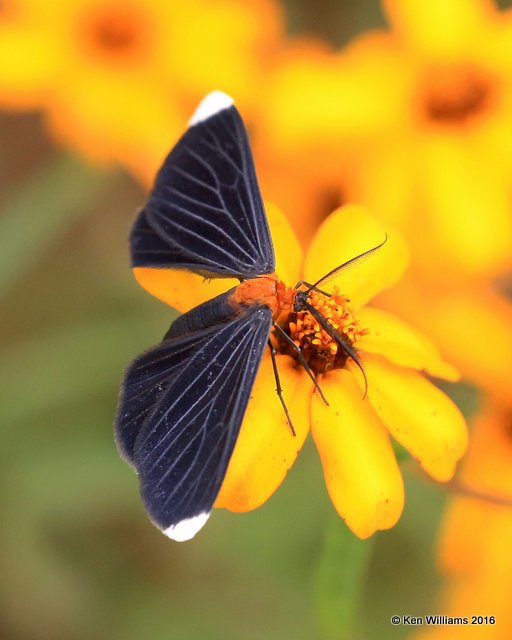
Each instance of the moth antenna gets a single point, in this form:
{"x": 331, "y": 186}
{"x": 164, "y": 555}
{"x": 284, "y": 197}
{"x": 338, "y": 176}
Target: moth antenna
{"x": 349, "y": 264}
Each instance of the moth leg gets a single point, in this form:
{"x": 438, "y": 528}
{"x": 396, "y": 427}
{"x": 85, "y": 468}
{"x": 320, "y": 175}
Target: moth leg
{"x": 279, "y": 389}
{"x": 302, "y": 360}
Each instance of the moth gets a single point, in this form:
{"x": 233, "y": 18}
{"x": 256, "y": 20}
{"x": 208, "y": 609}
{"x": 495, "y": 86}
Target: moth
{"x": 182, "y": 402}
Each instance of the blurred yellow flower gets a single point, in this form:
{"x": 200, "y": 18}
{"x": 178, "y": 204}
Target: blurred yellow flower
{"x": 117, "y": 79}
{"x": 478, "y": 568}
{"x": 471, "y": 325}
{"x": 302, "y": 143}
{"x": 424, "y": 114}
{"x": 352, "y": 433}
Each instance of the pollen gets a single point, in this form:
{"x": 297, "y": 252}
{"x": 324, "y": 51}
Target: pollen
{"x": 321, "y": 351}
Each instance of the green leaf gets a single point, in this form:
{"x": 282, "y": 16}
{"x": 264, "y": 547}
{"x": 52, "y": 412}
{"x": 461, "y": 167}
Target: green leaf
{"x": 339, "y": 580}
{"x": 40, "y": 209}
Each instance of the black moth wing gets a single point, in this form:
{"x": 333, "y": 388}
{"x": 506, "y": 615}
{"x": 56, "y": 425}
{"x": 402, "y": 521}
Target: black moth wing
{"x": 157, "y": 366}
{"x": 205, "y": 212}
{"x": 180, "y": 415}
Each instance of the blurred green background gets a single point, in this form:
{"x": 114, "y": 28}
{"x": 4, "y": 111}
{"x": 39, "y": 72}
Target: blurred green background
{"x": 79, "y": 557}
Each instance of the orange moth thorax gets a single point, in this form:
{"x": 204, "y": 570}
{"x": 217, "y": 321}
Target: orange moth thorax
{"x": 320, "y": 350}
{"x": 266, "y": 290}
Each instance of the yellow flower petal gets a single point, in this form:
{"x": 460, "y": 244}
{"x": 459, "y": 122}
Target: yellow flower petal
{"x": 286, "y": 246}
{"x": 180, "y": 289}
{"x": 184, "y": 290}
{"x": 487, "y": 471}
{"x": 385, "y": 182}
{"x": 346, "y": 233}
{"x": 481, "y": 349}
{"x": 401, "y": 344}
{"x": 494, "y": 51}
{"x": 461, "y": 187}
{"x": 336, "y": 98}
{"x": 151, "y": 123}
{"x": 418, "y": 415}
{"x": 360, "y": 469}
{"x": 309, "y": 200}
{"x": 439, "y": 27}
{"x": 478, "y": 568}
{"x": 26, "y": 63}
{"x": 266, "y": 448}
{"x": 226, "y": 44}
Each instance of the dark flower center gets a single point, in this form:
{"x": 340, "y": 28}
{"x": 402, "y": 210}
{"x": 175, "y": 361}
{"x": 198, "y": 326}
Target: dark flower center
{"x": 320, "y": 351}
{"x": 118, "y": 32}
{"x": 454, "y": 95}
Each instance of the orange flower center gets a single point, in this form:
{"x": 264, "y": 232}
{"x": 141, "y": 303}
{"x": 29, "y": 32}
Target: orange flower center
{"x": 320, "y": 350}
{"x": 454, "y": 95}
{"x": 118, "y": 31}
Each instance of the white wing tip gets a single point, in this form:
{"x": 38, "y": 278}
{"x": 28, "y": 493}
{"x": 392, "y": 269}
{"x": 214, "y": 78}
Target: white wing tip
{"x": 210, "y": 105}
{"x": 186, "y": 529}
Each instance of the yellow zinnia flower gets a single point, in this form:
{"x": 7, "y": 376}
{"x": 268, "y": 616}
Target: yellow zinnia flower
{"x": 118, "y": 79}
{"x": 423, "y": 115}
{"x": 478, "y": 568}
{"x": 417, "y": 123}
{"x": 352, "y": 432}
